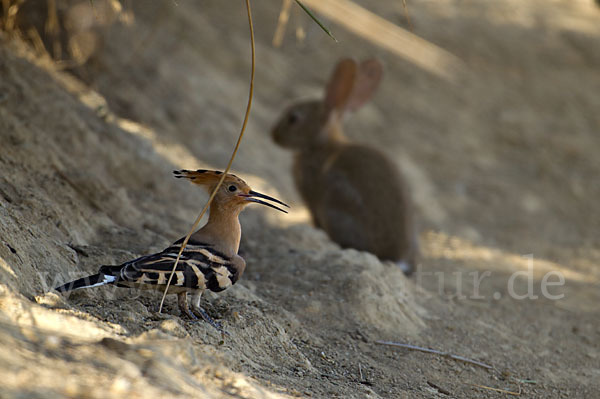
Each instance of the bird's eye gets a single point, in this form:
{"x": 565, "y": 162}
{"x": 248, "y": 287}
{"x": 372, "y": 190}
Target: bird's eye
{"x": 232, "y": 188}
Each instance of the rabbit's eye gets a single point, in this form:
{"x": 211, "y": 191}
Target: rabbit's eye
{"x": 232, "y": 188}
{"x": 292, "y": 118}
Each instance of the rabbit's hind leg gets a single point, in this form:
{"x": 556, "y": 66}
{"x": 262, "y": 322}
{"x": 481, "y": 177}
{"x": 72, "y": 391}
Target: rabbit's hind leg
{"x": 345, "y": 229}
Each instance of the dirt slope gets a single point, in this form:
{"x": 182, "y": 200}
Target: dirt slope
{"x": 502, "y": 164}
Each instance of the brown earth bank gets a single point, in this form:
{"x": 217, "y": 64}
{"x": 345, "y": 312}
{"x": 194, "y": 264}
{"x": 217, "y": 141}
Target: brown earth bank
{"x": 501, "y": 156}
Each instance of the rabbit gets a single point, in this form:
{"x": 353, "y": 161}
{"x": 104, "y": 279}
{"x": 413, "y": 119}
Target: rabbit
{"x": 354, "y": 192}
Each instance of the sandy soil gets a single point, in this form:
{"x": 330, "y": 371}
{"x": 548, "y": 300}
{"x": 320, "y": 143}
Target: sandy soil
{"x": 502, "y": 163}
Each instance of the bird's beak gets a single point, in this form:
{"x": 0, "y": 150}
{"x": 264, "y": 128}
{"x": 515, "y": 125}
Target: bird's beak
{"x": 253, "y": 195}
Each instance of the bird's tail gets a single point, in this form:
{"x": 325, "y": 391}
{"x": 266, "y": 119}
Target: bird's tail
{"x": 94, "y": 280}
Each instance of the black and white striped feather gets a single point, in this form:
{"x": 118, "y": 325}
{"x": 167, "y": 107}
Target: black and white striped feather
{"x": 200, "y": 267}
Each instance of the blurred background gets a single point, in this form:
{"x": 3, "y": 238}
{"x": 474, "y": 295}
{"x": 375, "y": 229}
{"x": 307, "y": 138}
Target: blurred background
{"x": 490, "y": 109}
{"x": 487, "y": 107}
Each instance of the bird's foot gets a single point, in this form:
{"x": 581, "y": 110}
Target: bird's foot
{"x": 188, "y": 313}
{"x": 198, "y": 311}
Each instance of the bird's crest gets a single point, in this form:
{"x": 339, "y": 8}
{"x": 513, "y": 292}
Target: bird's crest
{"x": 236, "y": 187}
{"x": 207, "y": 178}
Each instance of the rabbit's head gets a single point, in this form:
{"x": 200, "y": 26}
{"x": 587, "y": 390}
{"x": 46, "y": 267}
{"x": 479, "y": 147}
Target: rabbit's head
{"x": 313, "y": 123}
{"x": 300, "y": 125}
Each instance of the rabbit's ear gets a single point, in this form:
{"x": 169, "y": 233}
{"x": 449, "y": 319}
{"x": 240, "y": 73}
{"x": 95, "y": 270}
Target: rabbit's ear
{"x": 367, "y": 80}
{"x": 340, "y": 86}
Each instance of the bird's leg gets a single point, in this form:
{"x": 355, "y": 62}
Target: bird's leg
{"x": 183, "y": 306}
{"x": 198, "y": 311}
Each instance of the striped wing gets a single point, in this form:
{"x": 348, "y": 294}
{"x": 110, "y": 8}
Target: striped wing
{"x": 200, "y": 267}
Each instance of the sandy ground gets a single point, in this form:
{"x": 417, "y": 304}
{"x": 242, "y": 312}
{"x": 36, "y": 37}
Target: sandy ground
{"x": 503, "y": 167}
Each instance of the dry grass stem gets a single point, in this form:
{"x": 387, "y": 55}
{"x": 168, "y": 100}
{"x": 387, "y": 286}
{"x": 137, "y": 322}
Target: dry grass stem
{"x": 360, "y": 372}
{"x": 235, "y": 150}
{"x": 11, "y": 8}
{"x": 314, "y": 18}
{"x": 391, "y": 37}
{"x": 405, "y": 7}
{"x": 282, "y": 22}
{"x": 497, "y": 389}
{"x": 436, "y": 352}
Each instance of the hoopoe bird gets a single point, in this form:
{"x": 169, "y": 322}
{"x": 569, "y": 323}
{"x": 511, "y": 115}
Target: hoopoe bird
{"x": 210, "y": 259}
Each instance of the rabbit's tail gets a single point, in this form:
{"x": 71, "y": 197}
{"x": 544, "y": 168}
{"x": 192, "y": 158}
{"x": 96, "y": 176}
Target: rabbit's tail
{"x": 409, "y": 263}
{"x": 406, "y": 267}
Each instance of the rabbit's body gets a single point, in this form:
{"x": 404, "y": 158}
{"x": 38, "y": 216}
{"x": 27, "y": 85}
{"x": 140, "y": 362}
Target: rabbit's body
{"x": 354, "y": 192}
{"x": 345, "y": 199}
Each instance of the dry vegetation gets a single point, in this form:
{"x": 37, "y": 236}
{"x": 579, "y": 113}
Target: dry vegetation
{"x": 98, "y": 106}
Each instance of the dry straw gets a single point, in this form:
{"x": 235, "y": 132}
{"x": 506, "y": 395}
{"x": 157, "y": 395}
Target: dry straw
{"x": 235, "y": 150}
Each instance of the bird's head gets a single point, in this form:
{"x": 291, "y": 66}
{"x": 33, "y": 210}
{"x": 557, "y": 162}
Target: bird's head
{"x": 234, "y": 194}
